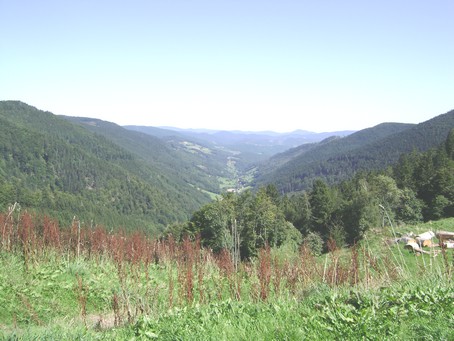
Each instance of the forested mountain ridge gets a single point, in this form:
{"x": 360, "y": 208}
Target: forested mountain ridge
{"x": 314, "y": 153}
{"x": 107, "y": 174}
{"x": 339, "y": 159}
{"x": 50, "y": 164}
{"x": 419, "y": 187}
{"x": 184, "y": 161}
{"x": 249, "y": 148}
{"x": 331, "y": 146}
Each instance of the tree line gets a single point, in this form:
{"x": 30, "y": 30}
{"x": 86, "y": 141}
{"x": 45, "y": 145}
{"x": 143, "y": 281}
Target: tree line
{"x": 419, "y": 187}
{"x": 335, "y": 160}
{"x": 50, "y": 165}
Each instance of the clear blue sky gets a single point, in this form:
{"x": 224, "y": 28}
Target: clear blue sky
{"x": 231, "y": 64}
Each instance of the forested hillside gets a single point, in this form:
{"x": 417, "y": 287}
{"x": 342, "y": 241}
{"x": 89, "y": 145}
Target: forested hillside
{"x": 106, "y": 174}
{"x": 419, "y": 187}
{"x": 331, "y": 146}
{"x": 50, "y": 164}
{"x": 339, "y": 159}
{"x": 184, "y": 161}
{"x": 249, "y": 148}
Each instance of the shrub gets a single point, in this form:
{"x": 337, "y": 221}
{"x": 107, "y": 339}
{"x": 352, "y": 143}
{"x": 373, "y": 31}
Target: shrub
{"x": 315, "y": 243}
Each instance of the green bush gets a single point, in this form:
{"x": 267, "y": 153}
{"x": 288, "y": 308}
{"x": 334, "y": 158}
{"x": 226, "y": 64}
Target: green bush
{"x": 315, "y": 243}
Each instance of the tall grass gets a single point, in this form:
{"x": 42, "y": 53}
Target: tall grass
{"x": 123, "y": 277}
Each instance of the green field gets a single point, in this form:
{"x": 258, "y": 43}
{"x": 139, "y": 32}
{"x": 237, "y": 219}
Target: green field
{"x": 88, "y": 284}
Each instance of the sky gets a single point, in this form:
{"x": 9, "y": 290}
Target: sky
{"x": 250, "y": 65}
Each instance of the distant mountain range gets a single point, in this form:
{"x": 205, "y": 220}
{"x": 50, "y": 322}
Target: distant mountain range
{"x": 250, "y": 147}
{"x": 335, "y": 159}
{"x": 149, "y": 177}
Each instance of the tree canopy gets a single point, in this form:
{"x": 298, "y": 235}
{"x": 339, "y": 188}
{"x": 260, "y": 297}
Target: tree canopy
{"x": 420, "y": 186}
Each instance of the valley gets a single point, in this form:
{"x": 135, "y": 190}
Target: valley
{"x": 111, "y": 232}
{"x": 226, "y": 170}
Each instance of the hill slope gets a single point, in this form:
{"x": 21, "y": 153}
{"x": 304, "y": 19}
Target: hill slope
{"x": 249, "y": 148}
{"x": 50, "y": 164}
{"x": 182, "y": 160}
{"x": 338, "y": 159}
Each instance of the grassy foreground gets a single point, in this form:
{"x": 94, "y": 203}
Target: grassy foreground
{"x": 78, "y": 283}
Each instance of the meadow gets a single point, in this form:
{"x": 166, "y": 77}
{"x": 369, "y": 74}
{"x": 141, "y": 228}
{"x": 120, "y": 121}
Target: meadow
{"x": 81, "y": 282}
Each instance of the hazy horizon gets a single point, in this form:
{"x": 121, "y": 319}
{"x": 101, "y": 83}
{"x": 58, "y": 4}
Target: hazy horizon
{"x": 231, "y": 65}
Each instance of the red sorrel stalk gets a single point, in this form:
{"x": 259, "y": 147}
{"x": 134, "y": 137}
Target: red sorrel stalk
{"x": 264, "y": 272}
